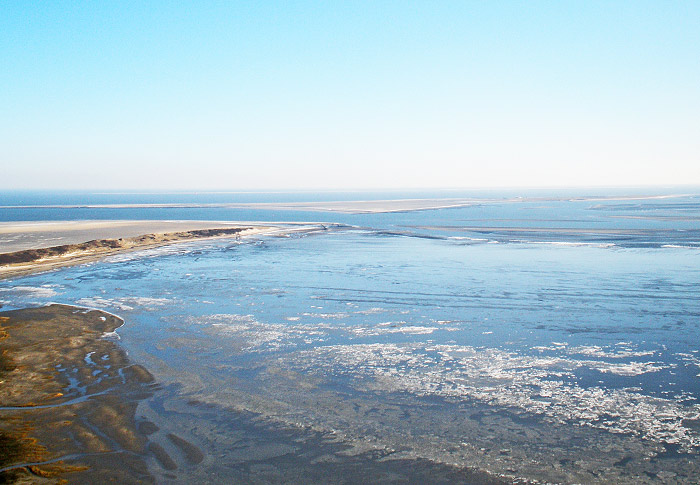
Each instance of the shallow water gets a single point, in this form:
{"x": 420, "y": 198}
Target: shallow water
{"x": 564, "y": 217}
{"x": 558, "y": 362}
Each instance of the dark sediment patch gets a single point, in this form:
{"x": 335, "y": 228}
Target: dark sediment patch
{"x": 65, "y": 416}
{"x": 259, "y": 450}
{"x": 146, "y": 427}
{"x": 191, "y": 452}
{"x": 162, "y": 456}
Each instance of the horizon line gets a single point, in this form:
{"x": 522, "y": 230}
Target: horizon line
{"x": 272, "y": 190}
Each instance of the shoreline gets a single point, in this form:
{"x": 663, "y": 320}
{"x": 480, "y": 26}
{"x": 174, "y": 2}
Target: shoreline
{"x": 33, "y": 257}
{"x": 73, "y": 410}
{"x": 68, "y": 399}
{"x": 363, "y": 205}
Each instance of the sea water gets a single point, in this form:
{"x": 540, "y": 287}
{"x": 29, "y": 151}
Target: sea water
{"x": 474, "y": 337}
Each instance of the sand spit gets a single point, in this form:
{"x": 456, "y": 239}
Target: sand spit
{"x": 33, "y": 260}
{"x": 20, "y": 235}
{"x": 348, "y": 207}
{"x": 68, "y": 400}
{"x": 359, "y": 206}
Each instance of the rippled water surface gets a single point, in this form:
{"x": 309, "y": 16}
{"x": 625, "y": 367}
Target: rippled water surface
{"x": 569, "y": 361}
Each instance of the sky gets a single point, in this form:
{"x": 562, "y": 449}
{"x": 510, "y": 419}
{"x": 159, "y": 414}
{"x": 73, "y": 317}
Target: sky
{"x": 348, "y": 95}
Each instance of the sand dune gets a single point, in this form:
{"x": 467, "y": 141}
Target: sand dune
{"x": 83, "y": 242}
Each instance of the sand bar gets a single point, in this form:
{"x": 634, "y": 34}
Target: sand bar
{"x": 30, "y": 247}
{"x": 18, "y": 236}
{"x": 369, "y": 206}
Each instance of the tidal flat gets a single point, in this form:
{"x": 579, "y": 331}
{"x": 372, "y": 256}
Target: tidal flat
{"x": 349, "y": 355}
{"x": 68, "y": 414}
{"x": 68, "y": 399}
{"x": 535, "y": 342}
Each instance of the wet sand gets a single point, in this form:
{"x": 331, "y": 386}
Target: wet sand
{"x": 69, "y": 413}
{"x": 68, "y": 399}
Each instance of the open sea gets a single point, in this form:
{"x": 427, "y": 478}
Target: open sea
{"x": 551, "y": 338}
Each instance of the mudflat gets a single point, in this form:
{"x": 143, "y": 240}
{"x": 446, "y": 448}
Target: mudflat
{"x": 68, "y": 399}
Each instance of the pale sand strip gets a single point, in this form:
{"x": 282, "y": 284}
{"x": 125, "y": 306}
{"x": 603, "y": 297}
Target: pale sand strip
{"x": 136, "y": 235}
{"x": 348, "y": 207}
{"x": 362, "y": 206}
{"x": 18, "y": 236}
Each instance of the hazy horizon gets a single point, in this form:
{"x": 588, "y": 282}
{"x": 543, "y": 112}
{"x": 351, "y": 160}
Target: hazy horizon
{"x": 667, "y": 189}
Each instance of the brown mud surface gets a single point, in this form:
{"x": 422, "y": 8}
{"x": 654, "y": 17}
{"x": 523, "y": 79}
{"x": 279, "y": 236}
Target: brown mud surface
{"x": 68, "y": 400}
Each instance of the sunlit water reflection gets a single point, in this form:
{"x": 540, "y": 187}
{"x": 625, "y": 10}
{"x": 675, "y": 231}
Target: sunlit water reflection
{"x": 571, "y": 363}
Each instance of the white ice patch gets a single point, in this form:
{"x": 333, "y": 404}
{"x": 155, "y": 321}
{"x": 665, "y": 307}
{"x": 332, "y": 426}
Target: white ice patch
{"x": 30, "y": 291}
{"x": 97, "y": 302}
{"x": 371, "y": 311}
{"x": 690, "y": 359}
{"x": 124, "y": 303}
{"x": 629, "y": 369}
{"x": 258, "y": 336}
{"x": 615, "y": 353}
{"x": 539, "y": 385}
{"x": 327, "y": 316}
{"x": 384, "y": 329}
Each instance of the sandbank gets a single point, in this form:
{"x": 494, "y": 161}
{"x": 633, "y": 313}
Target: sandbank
{"x": 369, "y": 206}
{"x": 30, "y": 247}
{"x": 18, "y": 236}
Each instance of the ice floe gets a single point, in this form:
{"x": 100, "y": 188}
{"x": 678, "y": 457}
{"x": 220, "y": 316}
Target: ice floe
{"x": 44, "y": 291}
{"x": 534, "y": 384}
{"x": 124, "y": 303}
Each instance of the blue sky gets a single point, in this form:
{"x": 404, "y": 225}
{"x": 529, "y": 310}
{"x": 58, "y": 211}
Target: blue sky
{"x": 270, "y": 95}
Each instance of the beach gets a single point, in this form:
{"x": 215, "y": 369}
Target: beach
{"x": 29, "y": 247}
